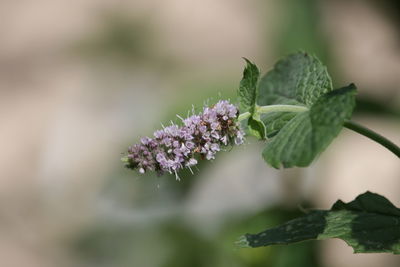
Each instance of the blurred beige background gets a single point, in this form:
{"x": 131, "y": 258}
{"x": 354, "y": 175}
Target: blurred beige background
{"x": 80, "y": 80}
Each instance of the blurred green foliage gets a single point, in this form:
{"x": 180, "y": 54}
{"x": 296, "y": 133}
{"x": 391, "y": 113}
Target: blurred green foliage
{"x": 120, "y": 39}
{"x": 171, "y": 242}
{"x": 300, "y": 29}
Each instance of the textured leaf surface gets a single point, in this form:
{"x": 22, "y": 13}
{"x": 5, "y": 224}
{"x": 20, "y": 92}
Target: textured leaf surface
{"x": 297, "y": 138}
{"x": 248, "y": 87}
{"x": 256, "y": 128}
{"x": 370, "y": 223}
{"x": 275, "y": 121}
{"x": 308, "y": 133}
{"x": 299, "y": 79}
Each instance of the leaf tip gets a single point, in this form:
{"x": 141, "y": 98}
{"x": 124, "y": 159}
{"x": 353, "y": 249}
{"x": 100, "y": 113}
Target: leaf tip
{"x": 271, "y": 162}
{"x": 352, "y": 85}
{"x": 247, "y": 60}
{"x": 250, "y": 64}
{"x": 242, "y": 242}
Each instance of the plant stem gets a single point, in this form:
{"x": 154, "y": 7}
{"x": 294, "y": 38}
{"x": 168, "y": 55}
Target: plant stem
{"x": 244, "y": 116}
{"x": 272, "y": 108}
{"x": 374, "y": 136}
{"x": 280, "y": 108}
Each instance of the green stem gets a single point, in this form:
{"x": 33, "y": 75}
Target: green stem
{"x": 272, "y": 108}
{"x": 374, "y": 136}
{"x": 244, "y": 116}
{"x": 280, "y": 108}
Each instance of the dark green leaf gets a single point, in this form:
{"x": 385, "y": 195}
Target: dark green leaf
{"x": 248, "y": 87}
{"x": 307, "y": 134}
{"x": 370, "y": 223}
{"x": 274, "y": 121}
{"x": 297, "y": 138}
{"x": 256, "y": 128}
{"x": 299, "y": 79}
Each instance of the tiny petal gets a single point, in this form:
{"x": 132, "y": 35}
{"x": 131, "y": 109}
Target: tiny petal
{"x": 191, "y": 162}
{"x": 224, "y": 140}
{"x": 202, "y": 128}
{"x": 175, "y": 144}
{"x": 215, "y": 147}
{"x": 190, "y": 145}
{"x": 210, "y": 156}
{"x": 215, "y": 135}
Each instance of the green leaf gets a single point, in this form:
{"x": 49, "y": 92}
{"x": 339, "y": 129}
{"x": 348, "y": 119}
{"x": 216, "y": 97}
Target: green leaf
{"x": 256, "y": 128}
{"x": 308, "y": 133}
{"x": 297, "y": 138}
{"x": 299, "y": 79}
{"x": 248, "y": 87}
{"x": 369, "y": 224}
{"x": 274, "y": 121}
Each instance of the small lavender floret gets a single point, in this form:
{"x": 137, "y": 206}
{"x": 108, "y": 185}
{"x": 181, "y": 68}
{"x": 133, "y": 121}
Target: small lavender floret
{"x": 201, "y": 137}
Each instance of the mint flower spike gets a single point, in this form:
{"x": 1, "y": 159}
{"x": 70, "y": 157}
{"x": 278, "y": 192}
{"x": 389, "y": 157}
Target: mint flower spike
{"x": 201, "y": 137}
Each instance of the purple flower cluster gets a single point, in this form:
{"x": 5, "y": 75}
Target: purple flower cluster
{"x": 201, "y": 137}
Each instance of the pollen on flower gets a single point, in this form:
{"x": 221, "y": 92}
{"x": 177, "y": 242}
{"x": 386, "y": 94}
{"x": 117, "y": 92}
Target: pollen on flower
{"x": 201, "y": 136}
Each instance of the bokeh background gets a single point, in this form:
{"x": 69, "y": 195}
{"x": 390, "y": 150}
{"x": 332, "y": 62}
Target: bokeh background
{"x": 80, "y": 80}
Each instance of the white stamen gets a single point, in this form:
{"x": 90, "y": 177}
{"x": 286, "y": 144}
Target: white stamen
{"x": 176, "y": 176}
{"x": 191, "y": 170}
